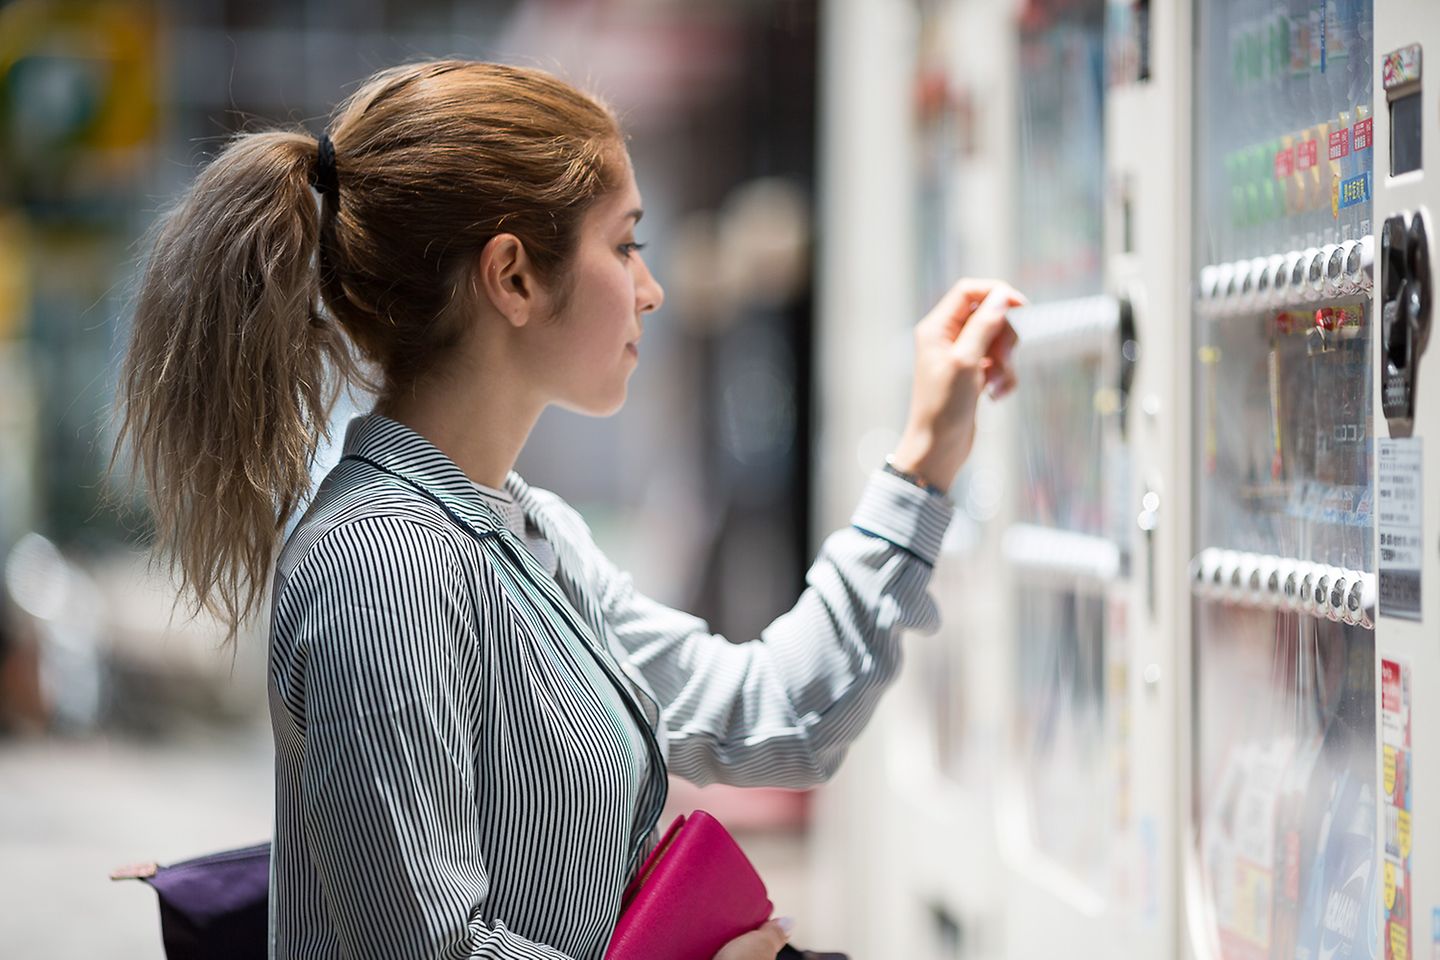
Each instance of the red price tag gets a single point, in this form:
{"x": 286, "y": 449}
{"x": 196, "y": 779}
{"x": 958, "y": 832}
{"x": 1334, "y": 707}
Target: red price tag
{"x": 1339, "y": 143}
{"x": 1364, "y": 134}
{"x": 1307, "y": 153}
{"x": 1390, "y": 686}
{"x": 1284, "y": 163}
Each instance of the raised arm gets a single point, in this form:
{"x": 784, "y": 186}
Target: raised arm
{"x": 781, "y": 709}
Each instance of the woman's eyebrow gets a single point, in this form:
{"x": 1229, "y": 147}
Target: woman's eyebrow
{"x": 637, "y": 213}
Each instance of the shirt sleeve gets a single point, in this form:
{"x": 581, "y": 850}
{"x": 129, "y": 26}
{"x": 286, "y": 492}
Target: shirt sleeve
{"x": 782, "y": 709}
{"x": 388, "y": 786}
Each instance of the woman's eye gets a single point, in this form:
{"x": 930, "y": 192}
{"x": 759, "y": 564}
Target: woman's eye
{"x": 628, "y": 248}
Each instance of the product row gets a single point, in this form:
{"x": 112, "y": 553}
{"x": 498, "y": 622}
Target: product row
{"x": 1284, "y": 583}
{"x": 1297, "y": 188}
{"x": 1299, "y": 276}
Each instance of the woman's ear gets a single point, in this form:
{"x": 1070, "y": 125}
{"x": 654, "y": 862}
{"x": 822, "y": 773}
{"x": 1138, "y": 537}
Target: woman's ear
{"x": 505, "y": 275}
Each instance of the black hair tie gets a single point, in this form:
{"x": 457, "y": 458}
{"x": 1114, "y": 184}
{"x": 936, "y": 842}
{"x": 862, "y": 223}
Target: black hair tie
{"x": 324, "y": 177}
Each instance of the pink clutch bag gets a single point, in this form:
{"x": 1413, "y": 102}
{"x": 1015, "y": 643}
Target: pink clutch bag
{"x": 695, "y": 893}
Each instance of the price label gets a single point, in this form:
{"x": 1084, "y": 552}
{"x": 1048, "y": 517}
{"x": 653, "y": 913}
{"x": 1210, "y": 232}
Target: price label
{"x": 1339, "y": 143}
{"x": 1364, "y": 134}
{"x": 1284, "y": 163}
{"x": 1355, "y": 190}
{"x": 1307, "y": 154}
{"x": 1399, "y": 942}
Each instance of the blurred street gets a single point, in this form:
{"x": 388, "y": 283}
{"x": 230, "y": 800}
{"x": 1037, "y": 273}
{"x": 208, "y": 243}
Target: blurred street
{"x": 71, "y": 811}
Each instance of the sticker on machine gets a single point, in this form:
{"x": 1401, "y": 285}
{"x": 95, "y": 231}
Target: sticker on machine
{"x": 1396, "y": 778}
{"x": 1399, "y": 493}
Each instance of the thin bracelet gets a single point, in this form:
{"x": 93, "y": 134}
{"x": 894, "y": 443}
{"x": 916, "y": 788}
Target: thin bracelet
{"x": 908, "y": 477}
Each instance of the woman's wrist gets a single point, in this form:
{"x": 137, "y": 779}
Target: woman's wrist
{"x": 914, "y": 479}
{"x": 926, "y": 461}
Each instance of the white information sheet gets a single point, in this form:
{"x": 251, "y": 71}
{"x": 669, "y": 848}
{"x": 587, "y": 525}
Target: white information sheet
{"x": 1399, "y": 495}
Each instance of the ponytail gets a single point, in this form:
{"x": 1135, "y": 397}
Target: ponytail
{"x": 231, "y": 371}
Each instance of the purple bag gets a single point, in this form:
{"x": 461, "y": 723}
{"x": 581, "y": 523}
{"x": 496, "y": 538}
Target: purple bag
{"x": 216, "y": 907}
{"x": 212, "y": 907}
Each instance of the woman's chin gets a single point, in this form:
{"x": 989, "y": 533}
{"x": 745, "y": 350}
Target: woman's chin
{"x": 598, "y": 406}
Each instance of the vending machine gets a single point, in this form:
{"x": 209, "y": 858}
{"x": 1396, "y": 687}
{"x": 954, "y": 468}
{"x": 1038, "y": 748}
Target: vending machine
{"x": 1306, "y": 776}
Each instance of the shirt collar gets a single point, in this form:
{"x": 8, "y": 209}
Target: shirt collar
{"x": 399, "y": 450}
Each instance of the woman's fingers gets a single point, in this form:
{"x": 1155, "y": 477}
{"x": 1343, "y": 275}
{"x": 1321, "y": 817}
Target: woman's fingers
{"x": 1001, "y": 348}
{"x": 762, "y": 943}
{"x": 1000, "y": 381}
{"x": 987, "y": 330}
{"x": 778, "y": 930}
{"x": 961, "y": 300}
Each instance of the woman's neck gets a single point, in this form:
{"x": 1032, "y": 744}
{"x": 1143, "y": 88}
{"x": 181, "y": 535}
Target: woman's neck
{"x": 481, "y": 425}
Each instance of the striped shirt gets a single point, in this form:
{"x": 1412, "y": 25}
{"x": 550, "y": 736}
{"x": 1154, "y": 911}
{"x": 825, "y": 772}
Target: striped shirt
{"x": 471, "y": 751}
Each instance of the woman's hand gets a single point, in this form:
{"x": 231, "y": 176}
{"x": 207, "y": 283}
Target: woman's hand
{"x": 761, "y": 944}
{"x": 962, "y": 347}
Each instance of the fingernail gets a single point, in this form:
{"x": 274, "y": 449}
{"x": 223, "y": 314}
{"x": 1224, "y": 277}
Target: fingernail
{"x": 786, "y": 924}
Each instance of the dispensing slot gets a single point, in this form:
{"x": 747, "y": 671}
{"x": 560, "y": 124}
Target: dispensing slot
{"x": 1405, "y": 124}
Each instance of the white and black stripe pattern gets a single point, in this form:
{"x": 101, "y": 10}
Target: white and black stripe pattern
{"x": 471, "y": 754}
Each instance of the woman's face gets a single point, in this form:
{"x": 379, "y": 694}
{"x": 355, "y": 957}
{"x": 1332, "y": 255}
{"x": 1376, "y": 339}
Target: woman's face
{"x": 587, "y": 352}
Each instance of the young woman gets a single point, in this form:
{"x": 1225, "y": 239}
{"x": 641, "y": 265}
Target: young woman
{"x": 474, "y": 711}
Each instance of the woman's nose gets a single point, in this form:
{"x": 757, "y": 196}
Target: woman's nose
{"x": 648, "y": 291}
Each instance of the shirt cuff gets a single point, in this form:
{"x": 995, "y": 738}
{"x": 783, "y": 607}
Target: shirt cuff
{"x": 898, "y": 511}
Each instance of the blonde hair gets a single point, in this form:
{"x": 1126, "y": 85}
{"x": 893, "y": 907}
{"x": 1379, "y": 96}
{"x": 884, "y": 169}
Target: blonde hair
{"x": 233, "y": 366}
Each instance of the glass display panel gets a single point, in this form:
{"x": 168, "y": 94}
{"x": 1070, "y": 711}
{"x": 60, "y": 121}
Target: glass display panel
{"x": 1285, "y": 433}
{"x": 1285, "y": 791}
{"x": 1061, "y": 175}
{"x": 1283, "y": 722}
{"x": 1284, "y": 125}
{"x": 1063, "y": 446}
{"x": 1071, "y": 665}
{"x": 1064, "y": 725}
